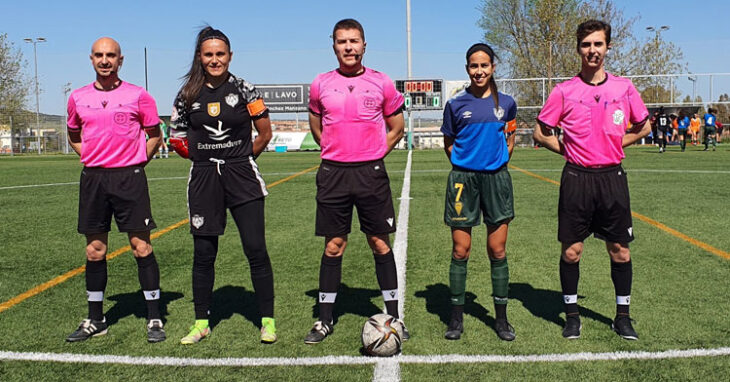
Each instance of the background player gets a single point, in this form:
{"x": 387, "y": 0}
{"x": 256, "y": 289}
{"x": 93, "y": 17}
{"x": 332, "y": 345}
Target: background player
{"x": 478, "y": 127}
{"x": 682, "y": 126}
{"x": 214, "y": 112}
{"x": 710, "y": 132}
{"x": 107, "y": 122}
{"x": 664, "y": 127}
{"x": 356, "y": 116}
{"x": 594, "y": 192}
{"x": 694, "y": 128}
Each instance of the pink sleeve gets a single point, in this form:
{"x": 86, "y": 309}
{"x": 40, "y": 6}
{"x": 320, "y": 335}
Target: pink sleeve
{"x": 392, "y": 99}
{"x": 148, "y": 116}
{"x": 314, "y": 105}
{"x": 639, "y": 113}
{"x": 72, "y": 121}
{"x": 553, "y": 109}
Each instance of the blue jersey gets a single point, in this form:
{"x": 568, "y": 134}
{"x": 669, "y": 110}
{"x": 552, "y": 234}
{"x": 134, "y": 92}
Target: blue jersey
{"x": 709, "y": 120}
{"x": 683, "y": 123}
{"x": 478, "y": 130}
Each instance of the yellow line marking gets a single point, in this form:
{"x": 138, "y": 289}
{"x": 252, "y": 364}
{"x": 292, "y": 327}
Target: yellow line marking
{"x": 74, "y": 272}
{"x": 648, "y": 220}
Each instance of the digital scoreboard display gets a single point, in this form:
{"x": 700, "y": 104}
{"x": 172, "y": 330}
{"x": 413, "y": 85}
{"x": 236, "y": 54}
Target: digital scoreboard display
{"x": 421, "y": 94}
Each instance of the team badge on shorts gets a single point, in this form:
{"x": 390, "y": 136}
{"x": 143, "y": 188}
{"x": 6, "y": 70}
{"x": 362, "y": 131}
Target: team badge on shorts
{"x": 232, "y": 100}
{"x": 214, "y": 109}
{"x": 197, "y": 221}
{"x": 618, "y": 117}
{"x": 498, "y": 112}
{"x": 458, "y": 206}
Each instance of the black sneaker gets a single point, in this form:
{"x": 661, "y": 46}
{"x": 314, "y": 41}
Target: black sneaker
{"x": 456, "y": 327}
{"x": 504, "y": 330}
{"x": 88, "y": 328}
{"x": 622, "y": 326}
{"x": 319, "y": 331}
{"x": 572, "y": 327}
{"x": 406, "y": 335}
{"x": 155, "y": 331}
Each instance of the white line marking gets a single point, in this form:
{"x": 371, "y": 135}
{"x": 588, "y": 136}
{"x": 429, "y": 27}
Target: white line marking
{"x": 389, "y": 370}
{"x": 351, "y": 360}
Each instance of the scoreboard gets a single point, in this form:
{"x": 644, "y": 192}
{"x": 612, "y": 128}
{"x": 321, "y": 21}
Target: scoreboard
{"x": 421, "y": 94}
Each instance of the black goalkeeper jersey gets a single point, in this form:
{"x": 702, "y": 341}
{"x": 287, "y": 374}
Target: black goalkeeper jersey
{"x": 218, "y": 124}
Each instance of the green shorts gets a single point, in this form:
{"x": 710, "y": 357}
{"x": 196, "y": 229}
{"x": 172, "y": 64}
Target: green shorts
{"x": 468, "y": 193}
{"x": 709, "y": 130}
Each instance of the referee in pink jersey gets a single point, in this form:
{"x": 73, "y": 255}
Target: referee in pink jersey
{"x": 594, "y": 110}
{"x": 107, "y": 123}
{"x": 356, "y": 116}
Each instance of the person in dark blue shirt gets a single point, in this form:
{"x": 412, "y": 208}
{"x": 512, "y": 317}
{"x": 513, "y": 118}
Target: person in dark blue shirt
{"x": 478, "y": 127}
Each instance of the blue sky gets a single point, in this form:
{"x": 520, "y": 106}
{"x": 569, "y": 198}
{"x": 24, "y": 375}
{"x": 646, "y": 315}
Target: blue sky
{"x": 287, "y": 41}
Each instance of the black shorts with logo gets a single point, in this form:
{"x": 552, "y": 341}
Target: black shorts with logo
{"x": 594, "y": 200}
{"x": 121, "y": 192}
{"x": 365, "y": 185}
{"x": 219, "y": 184}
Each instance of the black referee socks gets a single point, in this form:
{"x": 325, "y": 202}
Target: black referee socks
{"x": 149, "y": 279}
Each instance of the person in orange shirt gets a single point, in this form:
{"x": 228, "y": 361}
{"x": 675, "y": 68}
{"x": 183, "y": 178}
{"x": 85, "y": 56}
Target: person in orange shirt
{"x": 694, "y": 128}
{"x": 673, "y": 138}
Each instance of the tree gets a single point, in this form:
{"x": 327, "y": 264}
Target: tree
{"x": 723, "y": 109}
{"x": 536, "y": 39}
{"x": 661, "y": 57}
{"x": 13, "y": 85}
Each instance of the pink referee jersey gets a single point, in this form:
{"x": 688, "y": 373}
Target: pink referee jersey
{"x": 594, "y": 118}
{"x": 111, "y": 124}
{"x": 353, "y": 111}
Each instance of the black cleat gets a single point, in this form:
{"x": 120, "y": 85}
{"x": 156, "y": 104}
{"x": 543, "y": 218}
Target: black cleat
{"x": 88, "y": 328}
{"x": 504, "y": 330}
{"x": 319, "y": 331}
{"x": 622, "y": 326}
{"x": 572, "y": 327}
{"x": 155, "y": 331}
{"x": 456, "y": 327}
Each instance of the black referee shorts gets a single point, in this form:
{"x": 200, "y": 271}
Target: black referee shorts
{"x": 121, "y": 192}
{"x": 216, "y": 185}
{"x": 365, "y": 185}
{"x": 594, "y": 200}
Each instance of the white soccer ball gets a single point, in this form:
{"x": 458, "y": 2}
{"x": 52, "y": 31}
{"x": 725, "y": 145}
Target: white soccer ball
{"x": 382, "y": 335}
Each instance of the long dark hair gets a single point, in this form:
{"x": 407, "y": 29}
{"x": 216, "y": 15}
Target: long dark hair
{"x": 195, "y": 78}
{"x": 482, "y": 47}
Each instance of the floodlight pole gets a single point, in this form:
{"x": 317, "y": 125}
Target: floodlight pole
{"x": 66, "y": 90}
{"x": 37, "y": 102}
{"x": 410, "y": 73}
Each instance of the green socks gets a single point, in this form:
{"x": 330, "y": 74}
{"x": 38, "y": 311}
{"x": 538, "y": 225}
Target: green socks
{"x": 500, "y": 280}
{"x": 457, "y": 280}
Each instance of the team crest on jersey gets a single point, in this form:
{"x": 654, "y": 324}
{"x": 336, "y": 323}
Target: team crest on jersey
{"x": 498, "y": 112}
{"x": 618, "y": 117}
{"x": 370, "y": 103}
{"x": 197, "y": 221}
{"x": 214, "y": 109}
{"x": 232, "y": 100}
{"x": 120, "y": 118}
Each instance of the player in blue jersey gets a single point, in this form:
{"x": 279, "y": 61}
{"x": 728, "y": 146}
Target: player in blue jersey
{"x": 478, "y": 127}
{"x": 710, "y": 129}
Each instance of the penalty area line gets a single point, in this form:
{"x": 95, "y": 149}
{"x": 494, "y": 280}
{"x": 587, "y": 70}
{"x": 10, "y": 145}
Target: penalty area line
{"x": 352, "y": 360}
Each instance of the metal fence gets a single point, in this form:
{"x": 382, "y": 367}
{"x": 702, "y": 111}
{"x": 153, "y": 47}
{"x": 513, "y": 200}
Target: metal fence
{"x": 20, "y": 134}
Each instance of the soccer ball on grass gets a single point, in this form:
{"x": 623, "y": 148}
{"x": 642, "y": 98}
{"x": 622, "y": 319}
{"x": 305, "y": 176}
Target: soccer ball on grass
{"x": 382, "y": 335}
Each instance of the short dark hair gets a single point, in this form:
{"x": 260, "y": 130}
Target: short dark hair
{"x": 587, "y": 27}
{"x": 348, "y": 24}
